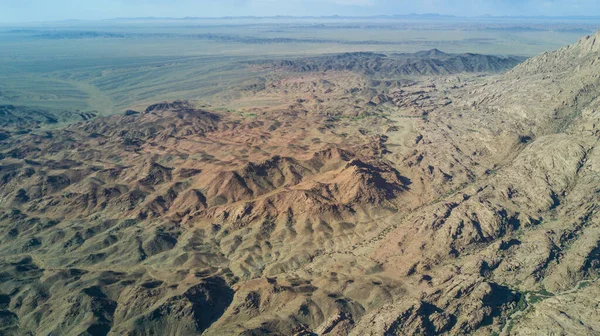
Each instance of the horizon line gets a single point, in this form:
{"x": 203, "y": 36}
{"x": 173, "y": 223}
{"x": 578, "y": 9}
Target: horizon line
{"x": 391, "y": 16}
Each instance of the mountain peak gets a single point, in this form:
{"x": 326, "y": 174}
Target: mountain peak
{"x": 590, "y": 43}
{"x": 431, "y": 53}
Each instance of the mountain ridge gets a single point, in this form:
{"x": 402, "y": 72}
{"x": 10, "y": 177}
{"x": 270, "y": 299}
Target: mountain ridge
{"x": 431, "y": 62}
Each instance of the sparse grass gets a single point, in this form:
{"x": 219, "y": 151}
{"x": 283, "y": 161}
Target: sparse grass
{"x": 410, "y": 116}
{"x": 519, "y": 233}
{"x": 228, "y": 110}
{"x": 219, "y": 200}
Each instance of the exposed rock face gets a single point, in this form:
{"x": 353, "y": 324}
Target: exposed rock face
{"x": 460, "y": 210}
{"x": 531, "y": 223}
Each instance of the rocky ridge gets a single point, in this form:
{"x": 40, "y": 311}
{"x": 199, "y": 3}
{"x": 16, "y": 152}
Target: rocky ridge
{"x": 427, "y": 63}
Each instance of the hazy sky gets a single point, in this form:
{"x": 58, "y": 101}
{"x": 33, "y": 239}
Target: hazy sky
{"x": 51, "y": 10}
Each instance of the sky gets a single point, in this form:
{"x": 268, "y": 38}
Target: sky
{"x": 55, "y": 10}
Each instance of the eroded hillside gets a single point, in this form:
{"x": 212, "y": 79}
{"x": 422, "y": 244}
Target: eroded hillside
{"x": 326, "y": 203}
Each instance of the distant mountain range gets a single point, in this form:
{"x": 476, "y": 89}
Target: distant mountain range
{"x": 394, "y": 16}
{"x": 431, "y": 62}
{"x": 412, "y": 16}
